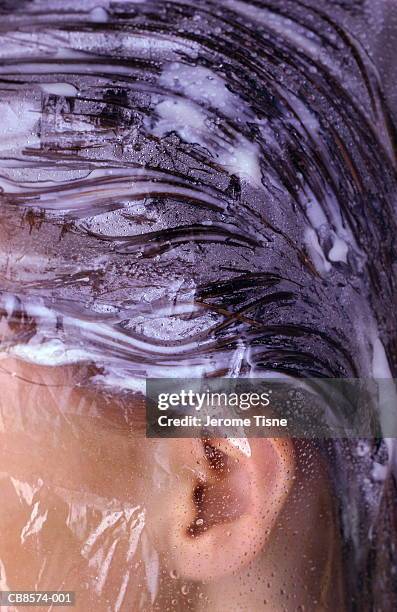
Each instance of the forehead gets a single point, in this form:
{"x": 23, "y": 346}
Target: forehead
{"x": 160, "y": 179}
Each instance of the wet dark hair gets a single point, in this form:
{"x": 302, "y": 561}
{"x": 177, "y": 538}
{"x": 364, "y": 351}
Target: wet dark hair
{"x": 207, "y": 186}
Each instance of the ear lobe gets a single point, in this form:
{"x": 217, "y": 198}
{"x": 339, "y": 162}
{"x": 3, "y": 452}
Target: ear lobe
{"x": 227, "y": 501}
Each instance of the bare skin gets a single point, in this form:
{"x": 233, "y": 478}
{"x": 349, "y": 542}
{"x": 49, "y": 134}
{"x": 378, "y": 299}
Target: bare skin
{"x": 87, "y": 501}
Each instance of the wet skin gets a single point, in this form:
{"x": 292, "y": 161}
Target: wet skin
{"x": 69, "y": 464}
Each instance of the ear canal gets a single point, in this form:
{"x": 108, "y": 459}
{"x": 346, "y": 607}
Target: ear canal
{"x": 216, "y": 501}
{"x": 227, "y": 503}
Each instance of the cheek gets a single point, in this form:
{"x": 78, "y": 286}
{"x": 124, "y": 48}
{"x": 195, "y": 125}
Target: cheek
{"x": 74, "y": 489}
{"x": 55, "y": 432}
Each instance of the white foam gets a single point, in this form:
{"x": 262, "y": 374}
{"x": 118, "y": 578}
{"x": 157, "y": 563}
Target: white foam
{"x": 180, "y": 115}
{"x": 190, "y": 122}
{"x": 339, "y": 250}
{"x": 201, "y": 85}
{"x": 380, "y": 363}
{"x": 59, "y": 89}
{"x": 243, "y": 160}
{"x": 190, "y": 90}
{"x": 387, "y": 397}
{"x": 53, "y": 352}
{"x": 380, "y": 472}
{"x": 314, "y": 210}
{"x": 315, "y": 251}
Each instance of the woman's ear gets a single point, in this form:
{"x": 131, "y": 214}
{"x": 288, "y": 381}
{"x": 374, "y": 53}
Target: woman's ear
{"x": 225, "y": 501}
